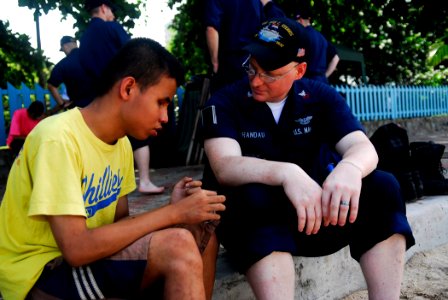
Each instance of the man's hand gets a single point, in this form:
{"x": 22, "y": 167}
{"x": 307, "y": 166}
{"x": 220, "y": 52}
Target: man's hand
{"x": 305, "y": 194}
{"x": 340, "y": 195}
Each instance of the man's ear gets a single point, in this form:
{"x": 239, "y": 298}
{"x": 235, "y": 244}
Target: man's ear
{"x": 301, "y": 67}
{"x": 103, "y": 8}
{"x": 300, "y": 70}
{"x": 126, "y": 87}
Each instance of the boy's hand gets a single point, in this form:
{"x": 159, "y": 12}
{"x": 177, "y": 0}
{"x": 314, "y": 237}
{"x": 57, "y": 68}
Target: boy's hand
{"x": 185, "y": 187}
{"x": 200, "y": 206}
{"x": 194, "y": 204}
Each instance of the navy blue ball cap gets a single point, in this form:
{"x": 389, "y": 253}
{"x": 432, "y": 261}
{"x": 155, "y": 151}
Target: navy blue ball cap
{"x": 278, "y": 43}
{"x": 66, "y": 39}
{"x": 91, "y": 4}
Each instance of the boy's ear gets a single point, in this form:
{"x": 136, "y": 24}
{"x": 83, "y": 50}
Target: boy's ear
{"x": 126, "y": 86}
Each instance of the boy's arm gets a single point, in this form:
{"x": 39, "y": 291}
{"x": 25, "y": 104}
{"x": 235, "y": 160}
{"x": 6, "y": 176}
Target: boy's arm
{"x": 80, "y": 245}
{"x": 122, "y": 210}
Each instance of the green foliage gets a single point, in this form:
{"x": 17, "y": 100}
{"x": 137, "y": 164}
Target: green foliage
{"x": 126, "y": 12}
{"x": 403, "y": 41}
{"x": 19, "y": 61}
{"x": 438, "y": 52}
{"x": 188, "y": 43}
{"x": 394, "y": 36}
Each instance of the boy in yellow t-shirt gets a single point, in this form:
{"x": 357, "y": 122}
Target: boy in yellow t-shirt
{"x": 65, "y": 229}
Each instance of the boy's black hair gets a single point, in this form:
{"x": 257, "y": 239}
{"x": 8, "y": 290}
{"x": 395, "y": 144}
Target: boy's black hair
{"x": 35, "y": 110}
{"x": 145, "y": 60}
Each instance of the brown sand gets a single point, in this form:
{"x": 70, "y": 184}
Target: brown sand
{"x": 425, "y": 277}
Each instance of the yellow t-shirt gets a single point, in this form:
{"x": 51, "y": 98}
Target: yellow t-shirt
{"x": 63, "y": 169}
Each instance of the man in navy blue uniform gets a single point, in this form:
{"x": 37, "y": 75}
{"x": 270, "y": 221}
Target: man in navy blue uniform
{"x": 299, "y": 173}
{"x": 322, "y": 58}
{"x": 70, "y": 72}
{"x": 230, "y": 25}
{"x": 102, "y": 38}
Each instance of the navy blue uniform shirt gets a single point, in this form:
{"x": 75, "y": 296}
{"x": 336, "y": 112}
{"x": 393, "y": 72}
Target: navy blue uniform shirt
{"x": 70, "y": 72}
{"x": 260, "y": 219}
{"x": 236, "y": 22}
{"x": 99, "y": 43}
{"x": 318, "y": 56}
{"x": 314, "y": 114}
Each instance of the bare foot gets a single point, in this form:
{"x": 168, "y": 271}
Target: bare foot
{"x": 150, "y": 188}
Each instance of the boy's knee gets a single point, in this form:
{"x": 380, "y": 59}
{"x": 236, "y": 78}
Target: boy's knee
{"x": 175, "y": 238}
{"x": 180, "y": 240}
{"x": 182, "y": 248}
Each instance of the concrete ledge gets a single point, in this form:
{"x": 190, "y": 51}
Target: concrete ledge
{"x": 338, "y": 275}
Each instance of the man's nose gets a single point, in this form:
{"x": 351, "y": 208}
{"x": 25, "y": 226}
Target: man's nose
{"x": 256, "y": 80}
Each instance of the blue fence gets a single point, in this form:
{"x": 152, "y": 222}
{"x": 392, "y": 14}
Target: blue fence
{"x": 368, "y": 103}
{"x": 13, "y": 99}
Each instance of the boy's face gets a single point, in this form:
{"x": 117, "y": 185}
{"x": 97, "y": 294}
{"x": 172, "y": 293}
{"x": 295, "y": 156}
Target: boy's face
{"x": 146, "y": 111}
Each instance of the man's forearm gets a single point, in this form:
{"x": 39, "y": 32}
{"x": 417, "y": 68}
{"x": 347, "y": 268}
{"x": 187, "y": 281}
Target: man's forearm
{"x": 234, "y": 171}
{"x": 357, "y": 150}
{"x": 332, "y": 66}
{"x": 54, "y": 92}
{"x": 212, "y": 37}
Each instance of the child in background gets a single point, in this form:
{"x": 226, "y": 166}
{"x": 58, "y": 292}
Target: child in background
{"x": 22, "y": 122}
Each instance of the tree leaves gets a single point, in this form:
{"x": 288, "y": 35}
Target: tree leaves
{"x": 126, "y": 12}
{"x": 403, "y": 41}
{"x": 394, "y": 36}
{"x": 18, "y": 60}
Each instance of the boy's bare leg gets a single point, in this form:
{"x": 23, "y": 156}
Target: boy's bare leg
{"x": 174, "y": 257}
{"x": 209, "y": 259}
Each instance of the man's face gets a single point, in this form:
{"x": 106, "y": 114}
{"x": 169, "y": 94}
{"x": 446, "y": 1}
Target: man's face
{"x": 278, "y": 89}
{"x": 109, "y": 13}
{"x": 146, "y": 111}
{"x": 66, "y": 49}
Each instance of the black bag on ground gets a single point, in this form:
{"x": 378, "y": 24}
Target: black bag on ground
{"x": 392, "y": 145}
{"x": 427, "y": 159}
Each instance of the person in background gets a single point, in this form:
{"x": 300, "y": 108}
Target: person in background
{"x": 101, "y": 40}
{"x": 22, "y": 122}
{"x": 70, "y": 72}
{"x": 298, "y": 173}
{"x": 322, "y": 55}
{"x": 230, "y": 25}
{"x": 142, "y": 156}
{"x": 65, "y": 229}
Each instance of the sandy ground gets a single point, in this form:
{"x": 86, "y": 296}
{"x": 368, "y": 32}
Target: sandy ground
{"x": 425, "y": 277}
